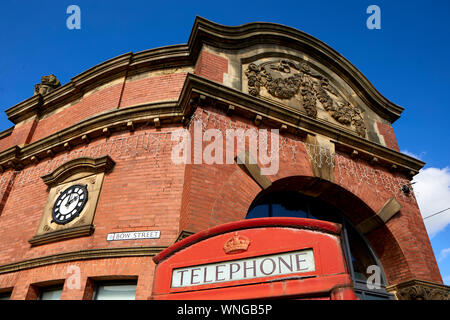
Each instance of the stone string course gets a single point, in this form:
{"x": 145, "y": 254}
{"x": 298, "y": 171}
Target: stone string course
{"x": 152, "y": 143}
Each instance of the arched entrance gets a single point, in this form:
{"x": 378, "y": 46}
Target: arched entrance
{"x": 303, "y": 201}
{"x": 285, "y": 200}
{"x": 232, "y": 204}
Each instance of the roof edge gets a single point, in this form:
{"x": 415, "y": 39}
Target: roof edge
{"x": 225, "y": 37}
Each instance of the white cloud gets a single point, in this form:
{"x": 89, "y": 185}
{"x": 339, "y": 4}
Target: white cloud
{"x": 444, "y": 254}
{"x": 411, "y": 154}
{"x": 432, "y": 190}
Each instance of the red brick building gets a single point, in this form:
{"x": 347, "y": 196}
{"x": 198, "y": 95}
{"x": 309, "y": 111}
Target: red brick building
{"x": 91, "y": 197}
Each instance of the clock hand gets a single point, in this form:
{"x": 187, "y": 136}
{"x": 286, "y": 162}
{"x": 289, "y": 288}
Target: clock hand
{"x": 72, "y": 199}
{"x": 69, "y": 200}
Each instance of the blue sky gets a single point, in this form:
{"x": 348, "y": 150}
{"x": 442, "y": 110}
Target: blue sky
{"x": 407, "y": 60}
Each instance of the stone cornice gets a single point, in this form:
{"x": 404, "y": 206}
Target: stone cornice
{"x": 11, "y": 158}
{"x": 198, "y": 91}
{"x": 6, "y": 132}
{"x": 25, "y": 109}
{"x": 222, "y": 37}
{"x": 164, "y": 57}
{"x": 102, "y": 70}
{"x": 64, "y": 234}
{"x": 104, "y": 253}
{"x": 113, "y": 120}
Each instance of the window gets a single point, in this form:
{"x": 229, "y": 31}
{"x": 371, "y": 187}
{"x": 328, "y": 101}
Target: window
{"x": 5, "y": 295}
{"x": 356, "y": 249}
{"x": 364, "y": 295}
{"x": 113, "y": 290}
{"x": 50, "y": 293}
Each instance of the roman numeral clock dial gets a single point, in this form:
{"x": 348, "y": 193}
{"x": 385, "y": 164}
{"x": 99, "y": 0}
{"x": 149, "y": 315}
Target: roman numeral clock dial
{"x": 69, "y": 204}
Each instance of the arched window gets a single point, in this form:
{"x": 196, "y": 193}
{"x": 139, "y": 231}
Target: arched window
{"x": 358, "y": 253}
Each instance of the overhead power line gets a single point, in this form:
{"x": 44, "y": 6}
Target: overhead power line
{"x": 435, "y": 213}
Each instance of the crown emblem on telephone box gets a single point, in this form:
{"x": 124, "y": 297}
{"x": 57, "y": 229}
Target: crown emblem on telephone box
{"x": 236, "y": 244}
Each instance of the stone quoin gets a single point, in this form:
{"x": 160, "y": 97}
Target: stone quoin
{"x": 88, "y": 180}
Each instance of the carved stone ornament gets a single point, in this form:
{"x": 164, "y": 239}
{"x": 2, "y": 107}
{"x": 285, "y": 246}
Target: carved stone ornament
{"x": 421, "y": 290}
{"x": 48, "y": 84}
{"x": 285, "y": 79}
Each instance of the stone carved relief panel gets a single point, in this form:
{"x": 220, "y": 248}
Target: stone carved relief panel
{"x": 286, "y": 80}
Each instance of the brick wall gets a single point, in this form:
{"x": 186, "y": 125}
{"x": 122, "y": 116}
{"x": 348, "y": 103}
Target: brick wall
{"x": 216, "y": 194}
{"x": 165, "y": 87}
{"x": 221, "y": 193}
{"x": 211, "y": 66}
{"x": 403, "y": 245}
{"x": 21, "y": 134}
{"x": 389, "y": 136}
{"x": 143, "y": 192}
{"x": 94, "y": 103}
{"x": 156, "y": 88}
{"x": 26, "y": 283}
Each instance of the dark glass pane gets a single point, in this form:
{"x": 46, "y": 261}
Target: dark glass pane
{"x": 322, "y": 211}
{"x": 53, "y": 293}
{"x": 375, "y": 297}
{"x": 289, "y": 204}
{"x": 5, "y": 295}
{"x": 116, "y": 291}
{"x": 358, "y": 269}
{"x": 280, "y": 211}
{"x": 259, "y": 211}
{"x": 367, "y": 295}
{"x": 361, "y": 256}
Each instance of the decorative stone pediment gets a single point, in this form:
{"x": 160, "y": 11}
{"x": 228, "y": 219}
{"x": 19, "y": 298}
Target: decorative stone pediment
{"x": 75, "y": 166}
{"x": 298, "y": 84}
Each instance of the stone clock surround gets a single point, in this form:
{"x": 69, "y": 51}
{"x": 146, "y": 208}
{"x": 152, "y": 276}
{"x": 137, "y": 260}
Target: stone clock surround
{"x": 84, "y": 171}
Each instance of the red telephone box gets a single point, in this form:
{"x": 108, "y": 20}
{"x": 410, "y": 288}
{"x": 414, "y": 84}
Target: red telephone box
{"x": 292, "y": 258}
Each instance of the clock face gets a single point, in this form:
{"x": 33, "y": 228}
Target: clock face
{"x": 69, "y": 204}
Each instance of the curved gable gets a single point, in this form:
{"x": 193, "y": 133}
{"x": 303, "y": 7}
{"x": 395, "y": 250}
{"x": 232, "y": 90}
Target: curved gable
{"x": 298, "y": 81}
